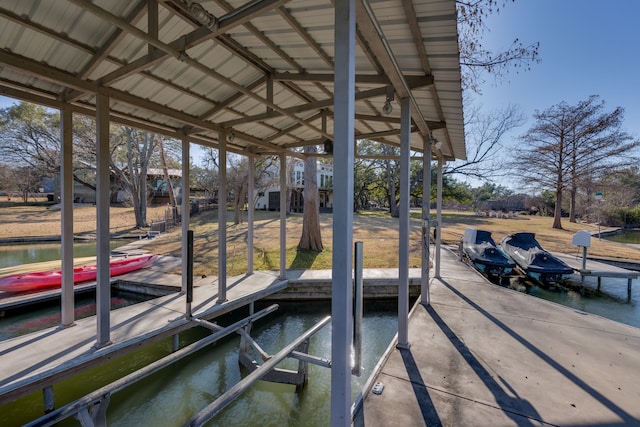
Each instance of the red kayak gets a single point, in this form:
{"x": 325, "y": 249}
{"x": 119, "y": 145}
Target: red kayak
{"x": 53, "y": 278}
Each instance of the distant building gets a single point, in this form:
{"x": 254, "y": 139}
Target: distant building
{"x": 269, "y": 199}
{"x": 157, "y": 188}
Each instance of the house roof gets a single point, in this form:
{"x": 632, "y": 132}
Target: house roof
{"x": 260, "y": 70}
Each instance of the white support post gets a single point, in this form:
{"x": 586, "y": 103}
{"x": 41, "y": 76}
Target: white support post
{"x": 426, "y": 220}
{"x": 66, "y": 199}
{"x": 185, "y": 208}
{"x": 250, "y": 212}
{"x": 103, "y": 287}
{"x": 343, "y": 149}
{"x": 222, "y": 217}
{"x": 283, "y": 216}
{"x": 403, "y": 248}
{"x": 439, "y": 215}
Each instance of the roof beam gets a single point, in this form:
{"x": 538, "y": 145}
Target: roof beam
{"x": 360, "y": 78}
{"x": 305, "y": 36}
{"x": 227, "y": 22}
{"x": 181, "y": 56}
{"x": 115, "y": 117}
{"x": 410, "y": 14}
{"x": 30, "y": 67}
{"x": 317, "y": 105}
{"x": 374, "y": 135}
{"x": 368, "y": 25}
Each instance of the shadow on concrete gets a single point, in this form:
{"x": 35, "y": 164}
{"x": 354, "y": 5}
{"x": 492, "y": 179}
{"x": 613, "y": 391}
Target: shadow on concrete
{"x": 428, "y": 410}
{"x": 519, "y": 410}
{"x": 628, "y": 418}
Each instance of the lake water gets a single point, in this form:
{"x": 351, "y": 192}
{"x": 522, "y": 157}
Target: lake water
{"x": 22, "y": 322}
{"x": 628, "y": 236}
{"x": 612, "y": 302}
{"x": 171, "y": 396}
{"x": 26, "y": 253}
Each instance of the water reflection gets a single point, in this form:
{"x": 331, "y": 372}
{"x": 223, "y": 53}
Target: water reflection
{"x": 27, "y": 253}
{"x": 627, "y": 236}
{"x": 611, "y": 302}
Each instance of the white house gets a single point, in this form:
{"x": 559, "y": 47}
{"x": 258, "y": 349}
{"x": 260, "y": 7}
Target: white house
{"x": 269, "y": 199}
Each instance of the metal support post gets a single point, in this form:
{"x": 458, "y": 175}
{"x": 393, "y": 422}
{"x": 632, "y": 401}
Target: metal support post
{"x": 103, "y": 286}
{"x": 426, "y": 221}
{"x": 357, "y": 309}
{"x": 222, "y": 218}
{"x": 189, "y": 275}
{"x": 186, "y": 208}
{"x": 66, "y": 196}
{"x": 438, "y": 226}
{"x": 343, "y": 160}
{"x": 403, "y": 245}
{"x": 250, "y": 212}
{"x": 48, "y": 399}
{"x": 283, "y": 216}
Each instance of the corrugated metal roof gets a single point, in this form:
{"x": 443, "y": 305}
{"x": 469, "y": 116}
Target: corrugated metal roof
{"x": 190, "y": 79}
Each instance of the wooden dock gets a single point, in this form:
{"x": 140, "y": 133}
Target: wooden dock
{"x": 483, "y": 355}
{"x": 36, "y": 361}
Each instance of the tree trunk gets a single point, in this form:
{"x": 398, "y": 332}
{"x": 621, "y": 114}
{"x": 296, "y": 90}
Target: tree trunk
{"x": 557, "y": 212}
{"x": 133, "y": 181}
{"x": 391, "y": 183}
{"x": 572, "y": 203}
{"x": 240, "y": 196}
{"x": 165, "y": 171}
{"x": 311, "y": 238}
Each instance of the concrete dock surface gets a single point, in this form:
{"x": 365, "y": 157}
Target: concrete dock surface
{"x": 482, "y": 355}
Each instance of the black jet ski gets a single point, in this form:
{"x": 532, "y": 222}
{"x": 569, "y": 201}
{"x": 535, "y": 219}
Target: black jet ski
{"x": 483, "y": 253}
{"x": 536, "y": 262}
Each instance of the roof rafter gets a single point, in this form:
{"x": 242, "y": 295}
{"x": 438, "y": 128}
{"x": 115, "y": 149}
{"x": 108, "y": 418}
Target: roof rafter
{"x": 31, "y": 67}
{"x": 377, "y": 42}
{"x": 325, "y": 103}
{"x": 181, "y": 56}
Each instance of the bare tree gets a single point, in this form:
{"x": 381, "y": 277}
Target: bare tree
{"x": 485, "y": 133}
{"x": 238, "y": 183}
{"x": 311, "y": 238}
{"x": 137, "y": 147}
{"x": 474, "y": 58}
{"x": 165, "y": 172}
{"x": 30, "y": 137}
{"x": 570, "y": 142}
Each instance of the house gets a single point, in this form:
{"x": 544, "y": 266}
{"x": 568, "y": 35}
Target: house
{"x": 157, "y": 188}
{"x": 269, "y": 198}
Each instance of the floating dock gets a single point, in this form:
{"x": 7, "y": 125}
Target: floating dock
{"x": 483, "y": 355}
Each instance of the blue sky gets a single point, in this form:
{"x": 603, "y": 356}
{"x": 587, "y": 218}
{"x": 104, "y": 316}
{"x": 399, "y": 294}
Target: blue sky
{"x": 587, "y": 47}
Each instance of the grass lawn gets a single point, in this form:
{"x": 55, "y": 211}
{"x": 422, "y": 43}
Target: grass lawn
{"x": 376, "y": 229}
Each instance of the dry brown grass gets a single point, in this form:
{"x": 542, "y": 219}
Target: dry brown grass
{"x": 551, "y": 239}
{"x": 377, "y": 230}
{"x": 19, "y": 220}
